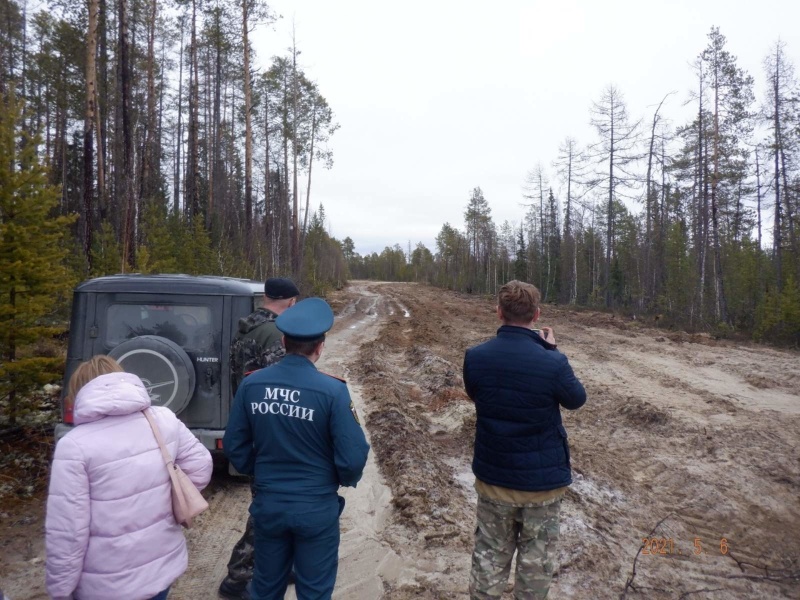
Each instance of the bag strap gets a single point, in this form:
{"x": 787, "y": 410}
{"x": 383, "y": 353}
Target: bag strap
{"x": 171, "y": 467}
{"x": 157, "y": 433}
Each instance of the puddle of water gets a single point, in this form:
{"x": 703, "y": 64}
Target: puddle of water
{"x": 466, "y": 478}
{"x": 406, "y": 312}
{"x": 598, "y": 492}
{"x": 462, "y": 472}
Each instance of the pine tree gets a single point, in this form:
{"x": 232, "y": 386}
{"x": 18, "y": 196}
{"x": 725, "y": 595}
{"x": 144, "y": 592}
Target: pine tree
{"x": 521, "y": 262}
{"x": 730, "y": 90}
{"x": 480, "y": 228}
{"x": 33, "y": 277}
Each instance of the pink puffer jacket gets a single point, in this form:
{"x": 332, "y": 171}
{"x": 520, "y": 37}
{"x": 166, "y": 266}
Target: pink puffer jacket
{"x": 110, "y": 532}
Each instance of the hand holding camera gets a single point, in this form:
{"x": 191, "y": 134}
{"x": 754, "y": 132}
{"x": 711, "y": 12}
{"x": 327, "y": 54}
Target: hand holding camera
{"x": 546, "y": 333}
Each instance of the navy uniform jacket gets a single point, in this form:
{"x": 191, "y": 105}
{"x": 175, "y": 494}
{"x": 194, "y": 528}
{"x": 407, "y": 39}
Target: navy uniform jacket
{"x": 294, "y": 429}
{"x": 518, "y": 382}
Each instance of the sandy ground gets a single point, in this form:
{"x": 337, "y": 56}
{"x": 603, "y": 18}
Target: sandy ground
{"x": 684, "y": 438}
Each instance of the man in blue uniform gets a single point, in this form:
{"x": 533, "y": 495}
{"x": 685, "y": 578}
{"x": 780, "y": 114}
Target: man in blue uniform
{"x": 295, "y": 430}
{"x": 256, "y": 345}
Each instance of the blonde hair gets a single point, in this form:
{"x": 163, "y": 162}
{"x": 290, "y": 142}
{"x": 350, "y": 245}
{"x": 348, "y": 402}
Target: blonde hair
{"x": 92, "y": 368}
{"x": 518, "y": 301}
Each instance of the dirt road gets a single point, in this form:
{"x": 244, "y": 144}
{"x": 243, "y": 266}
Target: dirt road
{"x": 365, "y": 558}
{"x": 684, "y": 438}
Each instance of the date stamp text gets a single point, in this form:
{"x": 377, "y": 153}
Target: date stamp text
{"x": 659, "y": 546}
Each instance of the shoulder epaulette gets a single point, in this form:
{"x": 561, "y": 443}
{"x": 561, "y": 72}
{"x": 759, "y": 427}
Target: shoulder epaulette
{"x": 333, "y": 376}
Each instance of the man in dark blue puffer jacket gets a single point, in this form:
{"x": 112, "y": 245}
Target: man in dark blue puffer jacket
{"x": 519, "y": 381}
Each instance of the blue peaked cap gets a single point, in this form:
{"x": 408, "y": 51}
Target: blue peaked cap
{"x": 308, "y": 319}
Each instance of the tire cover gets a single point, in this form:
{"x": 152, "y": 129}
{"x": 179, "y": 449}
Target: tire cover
{"x": 163, "y": 366}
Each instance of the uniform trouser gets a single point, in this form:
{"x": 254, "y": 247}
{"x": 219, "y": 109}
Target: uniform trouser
{"x": 240, "y": 565}
{"x": 303, "y": 532}
{"x": 529, "y": 531}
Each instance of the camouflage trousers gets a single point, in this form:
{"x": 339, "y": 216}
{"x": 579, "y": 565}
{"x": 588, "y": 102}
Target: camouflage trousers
{"x": 242, "y": 561}
{"x": 502, "y": 530}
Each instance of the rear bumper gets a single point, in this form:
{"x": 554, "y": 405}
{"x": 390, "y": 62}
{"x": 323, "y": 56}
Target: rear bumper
{"x": 210, "y": 438}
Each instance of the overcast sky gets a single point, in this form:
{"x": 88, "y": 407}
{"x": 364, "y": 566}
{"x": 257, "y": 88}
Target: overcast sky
{"x": 437, "y": 97}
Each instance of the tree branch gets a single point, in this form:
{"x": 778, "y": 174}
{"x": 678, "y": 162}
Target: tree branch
{"x": 629, "y": 582}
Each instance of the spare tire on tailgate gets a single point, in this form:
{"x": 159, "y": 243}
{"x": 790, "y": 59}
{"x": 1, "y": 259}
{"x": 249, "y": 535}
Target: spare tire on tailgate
{"x": 163, "y": 366}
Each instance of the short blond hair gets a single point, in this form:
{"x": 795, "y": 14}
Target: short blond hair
{"x": 518, "y": 301}
{"x": 92, "y": 368}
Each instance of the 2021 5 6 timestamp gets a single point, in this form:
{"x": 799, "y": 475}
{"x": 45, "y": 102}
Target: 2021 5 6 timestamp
{"x": 659, "y": 546}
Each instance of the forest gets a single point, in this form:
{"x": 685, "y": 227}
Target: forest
{"x": 146, "y": 136}
{"x": 139, "y": 136}
{"x": 169, "y": 148}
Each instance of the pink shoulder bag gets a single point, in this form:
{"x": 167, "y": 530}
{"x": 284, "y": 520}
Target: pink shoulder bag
{"x": 187, "y": 501}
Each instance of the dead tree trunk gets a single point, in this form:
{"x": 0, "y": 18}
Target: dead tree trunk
{"x": 296, "y": 251}
{"x": 310, "y": 164}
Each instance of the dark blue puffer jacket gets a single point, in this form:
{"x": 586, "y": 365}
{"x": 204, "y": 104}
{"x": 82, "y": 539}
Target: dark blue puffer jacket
{"x": 517, "y": 381}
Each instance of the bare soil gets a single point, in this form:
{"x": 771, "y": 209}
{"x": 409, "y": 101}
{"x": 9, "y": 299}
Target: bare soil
{"x": 684, "y": 438}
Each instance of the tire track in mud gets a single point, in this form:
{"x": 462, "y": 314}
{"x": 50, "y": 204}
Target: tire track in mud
{"x": 212, "y": 538}
{"x": 707, "y": 461}
{"x": 403, "y": 379}
{"x": 366, "y": 561}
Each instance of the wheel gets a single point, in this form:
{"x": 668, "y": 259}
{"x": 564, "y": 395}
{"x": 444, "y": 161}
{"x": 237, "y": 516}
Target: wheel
{"x": 163, "y": 366}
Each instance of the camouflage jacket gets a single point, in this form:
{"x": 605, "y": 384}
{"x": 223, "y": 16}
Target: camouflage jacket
{"x": 256, "y": 345}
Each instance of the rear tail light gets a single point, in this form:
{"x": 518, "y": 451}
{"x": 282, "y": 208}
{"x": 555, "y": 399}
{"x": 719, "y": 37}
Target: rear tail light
{"x": 68, "y": 405}
{"x": 219, "y": 444}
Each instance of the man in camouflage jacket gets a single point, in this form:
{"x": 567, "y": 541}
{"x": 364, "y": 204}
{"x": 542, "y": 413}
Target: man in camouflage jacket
{"x": 256, "y": 345}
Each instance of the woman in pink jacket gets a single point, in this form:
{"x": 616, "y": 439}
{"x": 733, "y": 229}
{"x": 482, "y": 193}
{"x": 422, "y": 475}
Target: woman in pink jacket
{"x": 110, "y": 531}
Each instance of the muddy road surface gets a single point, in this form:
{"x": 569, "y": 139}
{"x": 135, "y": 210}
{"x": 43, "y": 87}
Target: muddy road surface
{"x": 689, "y": 443}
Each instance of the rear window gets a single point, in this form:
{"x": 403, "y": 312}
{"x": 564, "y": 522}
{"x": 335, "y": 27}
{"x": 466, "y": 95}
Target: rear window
{"x": 189, "y": 326}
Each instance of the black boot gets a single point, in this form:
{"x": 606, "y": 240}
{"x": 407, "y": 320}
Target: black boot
{"x": 234, "y": 591}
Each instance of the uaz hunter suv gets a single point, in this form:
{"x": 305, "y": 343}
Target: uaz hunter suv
{"x": 173, "y": 331}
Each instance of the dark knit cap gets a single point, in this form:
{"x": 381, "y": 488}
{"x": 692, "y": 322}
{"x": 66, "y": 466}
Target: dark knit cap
{"x": 280, "y": 288}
